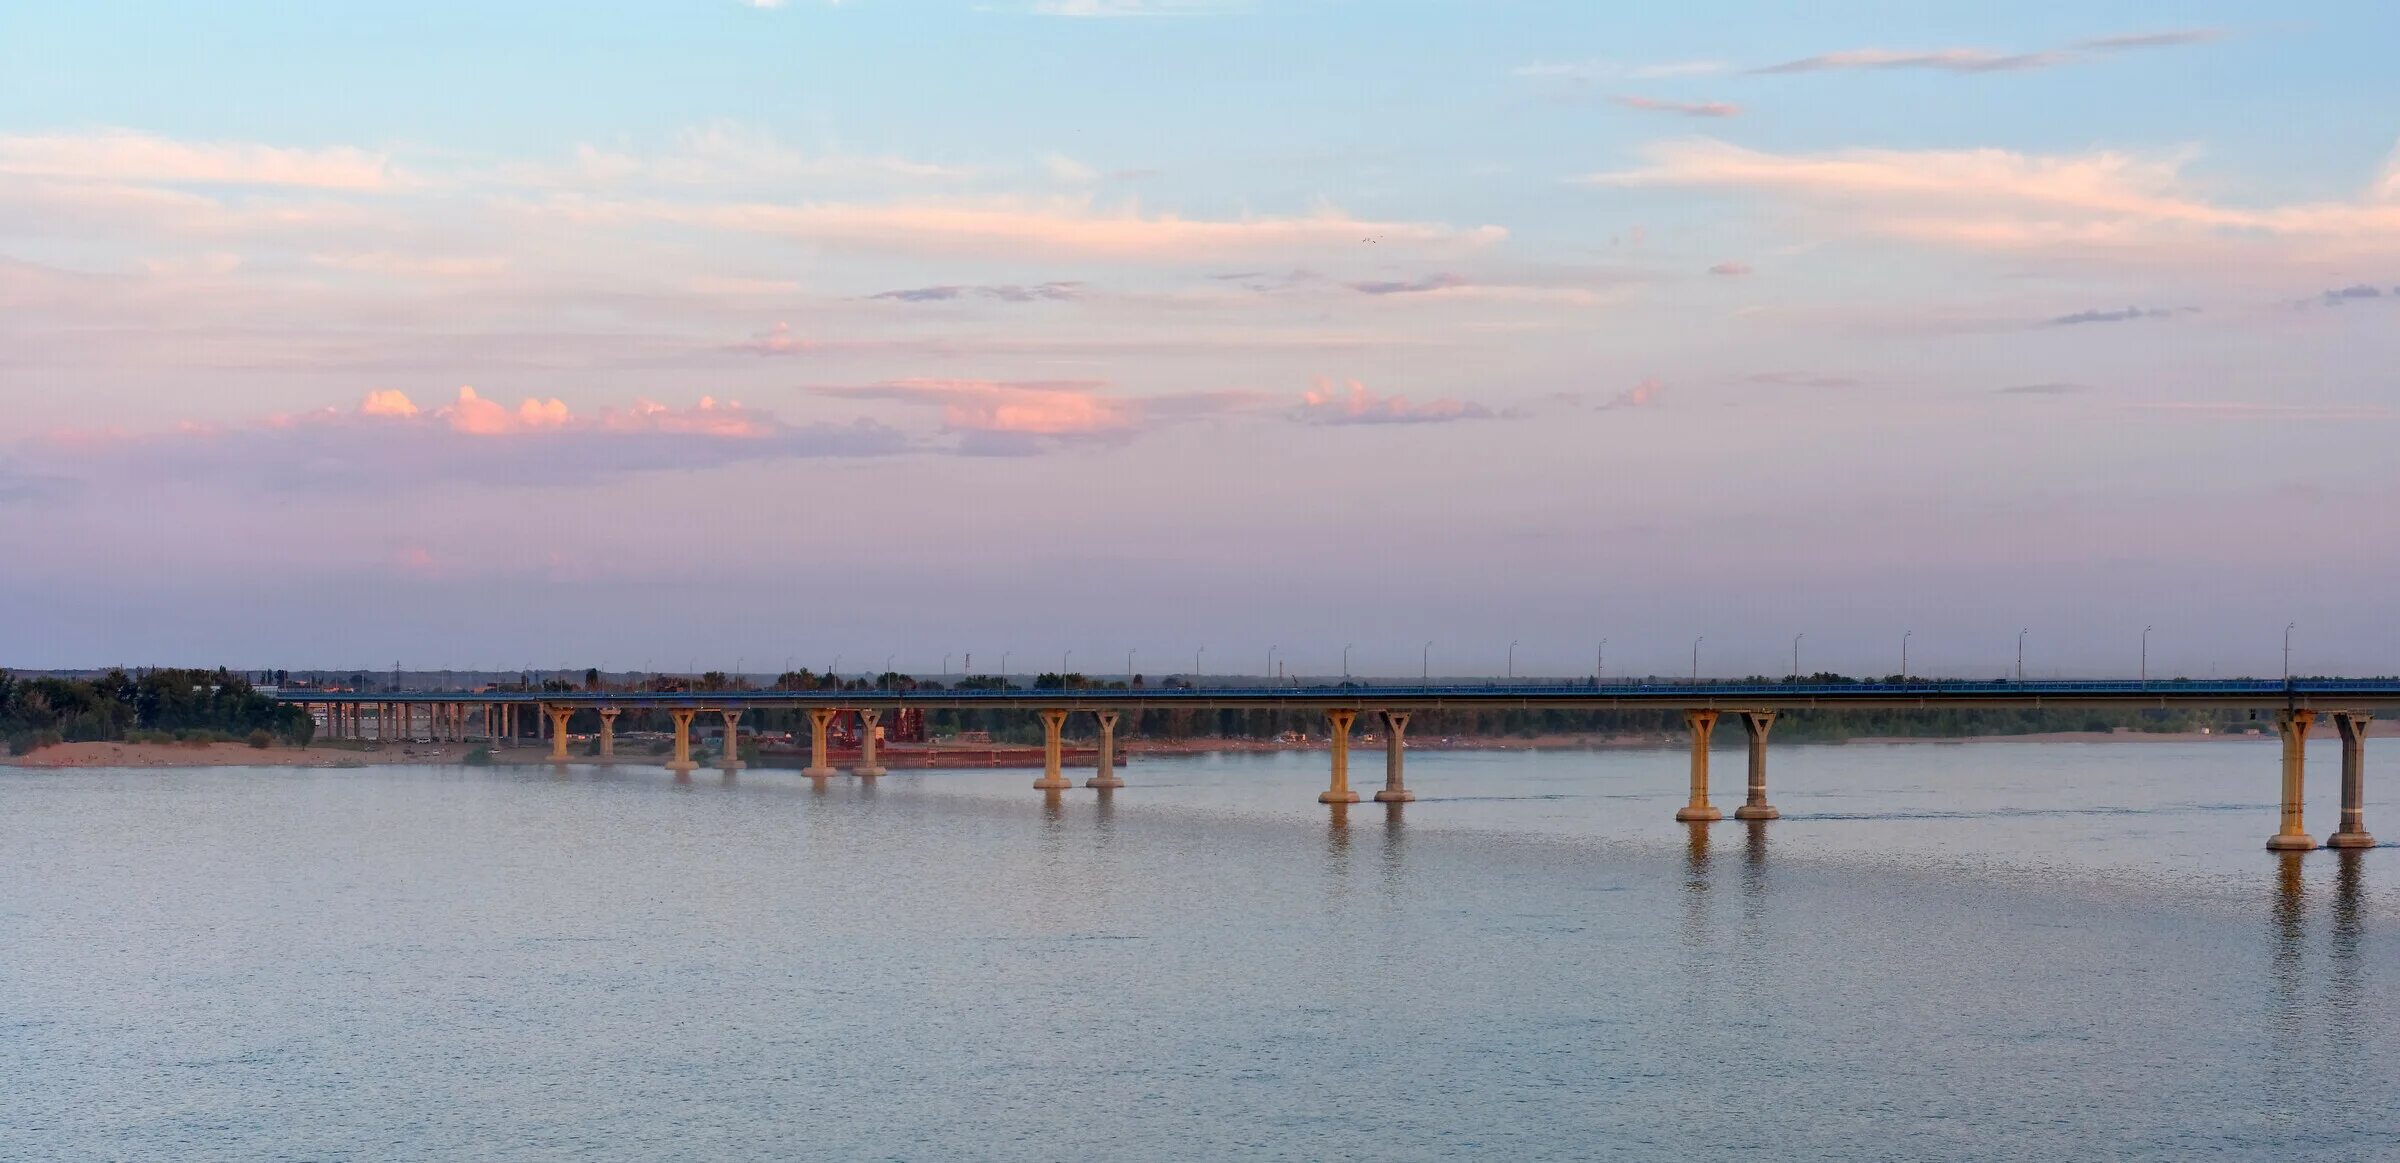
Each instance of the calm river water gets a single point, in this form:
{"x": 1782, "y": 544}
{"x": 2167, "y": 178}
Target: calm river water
{"x": 1985, "y": 951}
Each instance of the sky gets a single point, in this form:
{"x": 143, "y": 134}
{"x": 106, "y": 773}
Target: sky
{"x": 678, "y": 334}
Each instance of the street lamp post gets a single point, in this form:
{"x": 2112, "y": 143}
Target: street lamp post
{"x": 1905, "y": 635}
{"x": 945, "y": 666}
{"x": 1004, "y": 670}
{"x": 1512, "y": 660}
{"x": 1425, "y": 664}
{"x": 2287, "y": 650}
{"x": 1696, "y": 657}
{"x": 2146, "y": 653}
{"x": 1346, "y": 661}
{"x": 1196, "y": 662}
{"x": 2021, "y": 654}
{"x": 1796, "y": 655}
{"x": 1062, "y": 668}
{"x": 1271, "y": 664}
{"x": 1129, "y": 668}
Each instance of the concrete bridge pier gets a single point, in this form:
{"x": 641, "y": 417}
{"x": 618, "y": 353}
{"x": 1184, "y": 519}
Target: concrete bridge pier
{"x": 1108, "y": 777}
{"x": 1339, "y": 723}
{"x": 558, "y": 717}
{"x": 608, "y": 734}
{"x": 1395, "y": 785}
{"x": 682, "y": 763}
{"x": 1699, "y": 811}
{"x": 2353, "y": 831}
{"x": 1755, "y": 806}
{"x": 1052, "y": 779}
{"x": 867, "y": 765}
{"x": 2293, "y": 725}
{"x": 820, "y": 724}
{"x": 732, "y": 759}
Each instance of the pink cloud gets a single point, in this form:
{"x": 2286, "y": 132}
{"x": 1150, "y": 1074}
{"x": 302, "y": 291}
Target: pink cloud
{"x": 1642, "y": 395}
{"x": 1683, "y": 108}
{"x": 388, "y": 436}
{"x": 1328, "y": 404}
{"x": 125, "y": 156}
{"x": 997, "y": 417}
{"x": 2099, "y": 202}
{"x": 1047, "y": 229}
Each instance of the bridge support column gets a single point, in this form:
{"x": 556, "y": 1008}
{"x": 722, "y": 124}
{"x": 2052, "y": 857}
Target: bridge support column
{"x": 2353, "y": 831}
{"x": 608, "y": 734}
{"x": 1755, "y": 805}
{"x": 733, "y": 741}
{"x": 682, "y": 763}
{"x": 820, "y": 724}
{"x": 2293, "y": 726}
{"x": 1395, "y": 786}
{"x": 1053, "y": 779}
{"x": 1699, "y": 811}
{"x": 1108, "y": 752}
{"x": 868, "y": 745}
{"x": 1338, "y": 726}
{"x": 558, "y": 731}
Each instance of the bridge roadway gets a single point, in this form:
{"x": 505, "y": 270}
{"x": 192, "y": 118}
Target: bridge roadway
{"x": 2295, "y": 704}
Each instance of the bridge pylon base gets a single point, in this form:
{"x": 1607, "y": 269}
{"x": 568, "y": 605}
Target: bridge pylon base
{"x": 1689, "y": 815}
{"x": 1757, "y": 812}
{"x": 2291, "y": 842}
{"x": 2350, "y": 840}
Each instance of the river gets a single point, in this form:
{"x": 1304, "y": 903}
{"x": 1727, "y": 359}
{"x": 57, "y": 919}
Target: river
{"x": 1973, "y": 951}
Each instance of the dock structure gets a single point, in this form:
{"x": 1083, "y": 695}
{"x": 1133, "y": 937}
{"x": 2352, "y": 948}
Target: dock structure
{"x": 2294, "y": 705}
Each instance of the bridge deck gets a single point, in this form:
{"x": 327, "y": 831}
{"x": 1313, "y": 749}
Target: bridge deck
{"x": 2317, "y": 694}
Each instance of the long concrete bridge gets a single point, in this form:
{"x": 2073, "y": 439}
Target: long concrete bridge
{"x": 2295, "y": 706}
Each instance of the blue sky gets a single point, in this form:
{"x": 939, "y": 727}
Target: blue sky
{"x": 917, "y": 328}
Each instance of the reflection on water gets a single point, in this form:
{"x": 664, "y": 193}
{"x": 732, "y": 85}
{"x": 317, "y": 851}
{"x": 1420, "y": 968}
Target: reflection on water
{"x": 321, "y": 964}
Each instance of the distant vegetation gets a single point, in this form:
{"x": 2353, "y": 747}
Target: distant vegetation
{"x": 152, "y": 706}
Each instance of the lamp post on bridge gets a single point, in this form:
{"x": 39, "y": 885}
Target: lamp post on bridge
{"x": 1346, "y": 661}
{"x": 1512, "y": 660}
{"x": 2021, "y": 653}
{"x": 1063, "y": 659}
{"x": 1425, "y": 664}
{"x": 1696, "y": 657}
{"x": 1796, "y": 655}
{"x": 1129, "y": 669}
{"x": 2288, "y": 627}
{"x": 945, "y": 666}
{"x": 1271, "y": 664}
{"x": 2146, "y": 653}
{"x": 1904, "y": 637}
{"x": 1004, "y": 670}
{"x": 1600, "y": 662}
{"x": 1196, "y": 663}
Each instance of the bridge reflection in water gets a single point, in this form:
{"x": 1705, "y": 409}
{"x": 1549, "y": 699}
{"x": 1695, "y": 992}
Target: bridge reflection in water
{"x": 500, "y": 717}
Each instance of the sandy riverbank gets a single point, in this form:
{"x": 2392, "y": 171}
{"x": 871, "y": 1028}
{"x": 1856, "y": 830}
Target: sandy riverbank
{"x": 233, "y": 755}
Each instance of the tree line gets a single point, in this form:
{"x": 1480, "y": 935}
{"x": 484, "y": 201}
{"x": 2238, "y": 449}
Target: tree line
{"x": 165, "y": 704}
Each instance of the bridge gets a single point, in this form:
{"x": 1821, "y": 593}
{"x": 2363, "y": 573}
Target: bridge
{"x": 2295, "y": 705}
